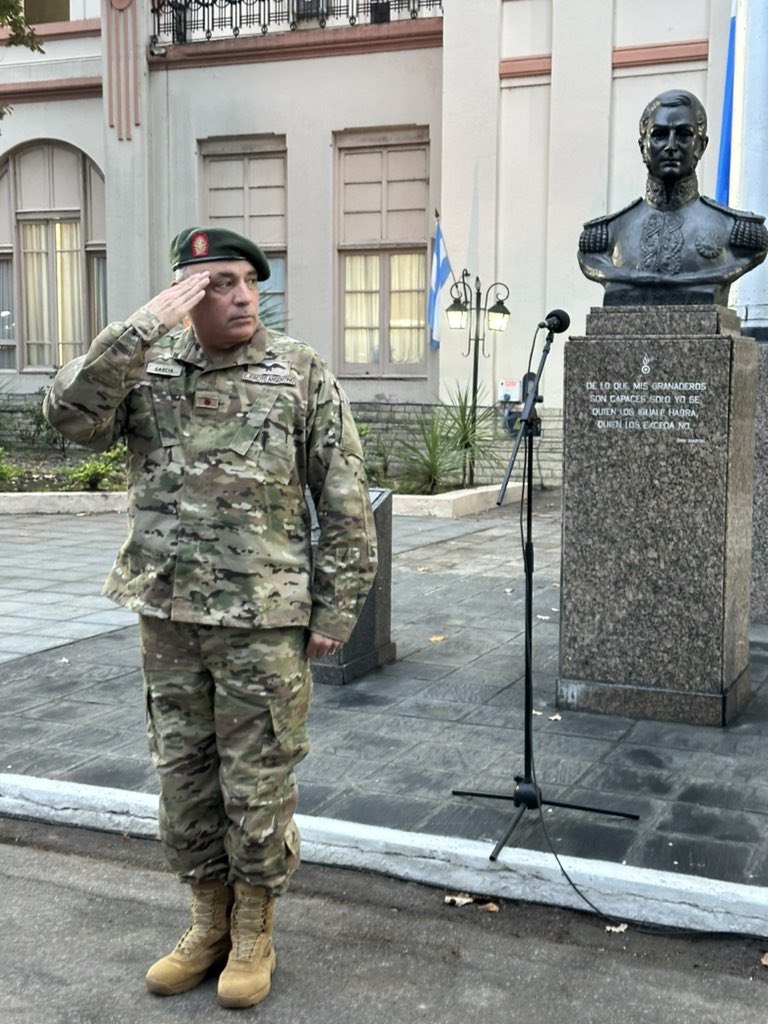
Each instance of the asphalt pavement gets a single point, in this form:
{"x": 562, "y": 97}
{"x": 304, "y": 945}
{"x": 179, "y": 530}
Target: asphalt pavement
{"x": 84, "y": 915}
{"x": 389, "y": 749}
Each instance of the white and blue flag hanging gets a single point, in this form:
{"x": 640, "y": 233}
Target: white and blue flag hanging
{"x": 441, "y": 271}
{"x": 724, "y": 156}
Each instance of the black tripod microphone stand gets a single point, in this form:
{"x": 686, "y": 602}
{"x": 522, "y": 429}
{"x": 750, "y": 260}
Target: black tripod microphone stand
{"x": 527, "y": 794}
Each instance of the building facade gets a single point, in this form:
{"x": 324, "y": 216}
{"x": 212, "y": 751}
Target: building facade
{"x": 331, "y": 131}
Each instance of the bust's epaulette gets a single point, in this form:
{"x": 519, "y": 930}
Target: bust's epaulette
{"x": 595, "y": 236}
{"x": 748, "y": 231}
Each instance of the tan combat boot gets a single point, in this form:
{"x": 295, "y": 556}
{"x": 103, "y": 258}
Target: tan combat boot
{"x": 247, "y": 977}
{"x": 202, "y": 945}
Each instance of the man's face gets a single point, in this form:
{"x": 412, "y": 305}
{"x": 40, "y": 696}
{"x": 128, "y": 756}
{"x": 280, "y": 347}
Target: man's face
{"x": 672, "y": 146}
{"x": 227, "y": 315}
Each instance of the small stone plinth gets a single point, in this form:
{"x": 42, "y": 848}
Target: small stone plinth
{"x": 370, "y": 644}
{"x": 657, "y": 514}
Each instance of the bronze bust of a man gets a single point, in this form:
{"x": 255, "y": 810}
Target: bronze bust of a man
{"x": 672, "y": 245}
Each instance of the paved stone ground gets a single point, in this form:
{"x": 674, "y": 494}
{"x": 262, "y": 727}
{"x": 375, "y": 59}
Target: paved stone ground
{"x": 389, "y": 748}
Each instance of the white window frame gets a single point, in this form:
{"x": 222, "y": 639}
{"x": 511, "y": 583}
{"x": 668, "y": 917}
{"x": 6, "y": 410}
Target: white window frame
{"x": 89, "y": 249}
{"x": 245, "y": 148}
{"x": 368, "y": 141}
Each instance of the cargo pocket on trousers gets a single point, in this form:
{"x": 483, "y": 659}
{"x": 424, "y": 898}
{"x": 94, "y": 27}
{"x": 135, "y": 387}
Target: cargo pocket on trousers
{"x": 292, "y": 840}
{"x": 152, "y": 744}
{"x": 289, "y": 720}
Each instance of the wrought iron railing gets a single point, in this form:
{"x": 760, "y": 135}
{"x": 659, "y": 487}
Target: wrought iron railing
{"x": 182, "y": 21}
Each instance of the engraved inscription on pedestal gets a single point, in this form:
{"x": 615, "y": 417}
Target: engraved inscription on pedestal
{"x": 644, "y": 404}
{"x": 657, "y": 516}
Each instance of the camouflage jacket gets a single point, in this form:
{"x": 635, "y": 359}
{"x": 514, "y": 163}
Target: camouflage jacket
{"x": 219, "y": 531}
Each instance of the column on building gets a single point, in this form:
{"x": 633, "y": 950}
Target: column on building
{"x": 749, "y": 152}
{"x": 470, "y": 135}
{"x": 129, "y": 189}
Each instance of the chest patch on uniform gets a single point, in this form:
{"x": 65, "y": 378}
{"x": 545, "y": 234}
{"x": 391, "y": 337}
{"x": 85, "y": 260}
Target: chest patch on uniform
{"x": 206, "y": 400}
{"x": 164, "y": 369}
{"x": 270, "y": 372}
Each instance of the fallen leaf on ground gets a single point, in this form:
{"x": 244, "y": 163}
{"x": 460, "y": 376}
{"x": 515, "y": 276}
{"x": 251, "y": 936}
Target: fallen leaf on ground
{"x": 616, "y": 927}
{"x": 463, "y": 899}
{"x": 436, "y": 639}
{"x": 458, "y": 899}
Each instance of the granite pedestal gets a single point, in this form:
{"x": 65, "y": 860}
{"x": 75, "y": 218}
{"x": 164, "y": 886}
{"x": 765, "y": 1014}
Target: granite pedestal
{"x": 760, "y": 503}
{"x": 657, "y": 514}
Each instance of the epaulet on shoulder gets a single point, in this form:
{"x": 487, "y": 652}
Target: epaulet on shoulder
{"x": 748, "y": 231}
{"x": 608, "y": 217}
{"x": 739, "y": 214}
{"x": 595, "y": 236}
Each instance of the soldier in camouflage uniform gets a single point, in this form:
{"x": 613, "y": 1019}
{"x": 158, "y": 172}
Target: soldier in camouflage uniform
{"x": 226, "y": 427}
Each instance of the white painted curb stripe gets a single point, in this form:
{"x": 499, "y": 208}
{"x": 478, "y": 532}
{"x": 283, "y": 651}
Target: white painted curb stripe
{"x": 618, "y": 891}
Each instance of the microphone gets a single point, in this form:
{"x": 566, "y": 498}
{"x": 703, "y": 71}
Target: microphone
{"x": 557, "y": 321}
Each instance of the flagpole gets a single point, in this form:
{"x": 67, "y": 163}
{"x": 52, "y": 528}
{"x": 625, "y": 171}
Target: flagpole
{"x": 440, "y": 272}
{"x": 722, "y": 188}
{"x": 450, "y": 265}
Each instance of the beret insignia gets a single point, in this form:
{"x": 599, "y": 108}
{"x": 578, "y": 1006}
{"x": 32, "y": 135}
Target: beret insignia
{"x": 199, "y": 244}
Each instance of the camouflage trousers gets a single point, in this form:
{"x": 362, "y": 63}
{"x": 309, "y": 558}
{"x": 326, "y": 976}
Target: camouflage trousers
{"x": 226, "y": 724}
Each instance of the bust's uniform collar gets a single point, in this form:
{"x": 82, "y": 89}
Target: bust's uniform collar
{"x": 683, "y": 192}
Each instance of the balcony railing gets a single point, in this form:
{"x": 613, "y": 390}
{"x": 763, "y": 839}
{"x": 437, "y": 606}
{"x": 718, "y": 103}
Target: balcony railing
{"x": 187, "y": 21}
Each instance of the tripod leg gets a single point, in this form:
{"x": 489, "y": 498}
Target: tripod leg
{"x": 510, "y": 829}
{"x": 476, "y": 792}
{"x": 595, "y": 810}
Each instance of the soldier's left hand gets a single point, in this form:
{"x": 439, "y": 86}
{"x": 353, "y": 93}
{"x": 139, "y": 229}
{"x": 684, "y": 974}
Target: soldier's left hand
{"x": 318, "y": 646}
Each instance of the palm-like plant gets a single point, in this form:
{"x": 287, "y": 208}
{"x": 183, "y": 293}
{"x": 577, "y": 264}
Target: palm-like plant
{"x": 431, "y": 462}
{"x": 471, "y": 434}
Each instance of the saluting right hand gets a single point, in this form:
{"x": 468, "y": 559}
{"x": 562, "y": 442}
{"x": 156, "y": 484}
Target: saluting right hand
{"x": 171, "y": 305}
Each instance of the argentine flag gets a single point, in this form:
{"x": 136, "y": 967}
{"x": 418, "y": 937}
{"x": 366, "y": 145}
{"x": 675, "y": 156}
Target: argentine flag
{"x": 724, "y": 156}
{"x": 441, "y": 271}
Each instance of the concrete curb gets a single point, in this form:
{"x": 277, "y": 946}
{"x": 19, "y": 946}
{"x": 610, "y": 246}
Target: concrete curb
{"x": 453, "y": 504}
{"x": 23, "y": 503}
{"x": 617, "y": 891}
{"x": 450, "y": 505}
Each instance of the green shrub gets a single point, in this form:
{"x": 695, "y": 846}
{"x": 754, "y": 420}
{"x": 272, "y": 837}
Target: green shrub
{"x": 445, "y": 445}
{"x": 7, "y": 470}
{"x": 431, "y": 462}
{"x": 104, "y": 471}
{"x": 474, "y": 444}
{"x": 39, "y": 431}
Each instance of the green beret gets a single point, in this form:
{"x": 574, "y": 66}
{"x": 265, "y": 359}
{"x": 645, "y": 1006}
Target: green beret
{"x": 201, "y": 245}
